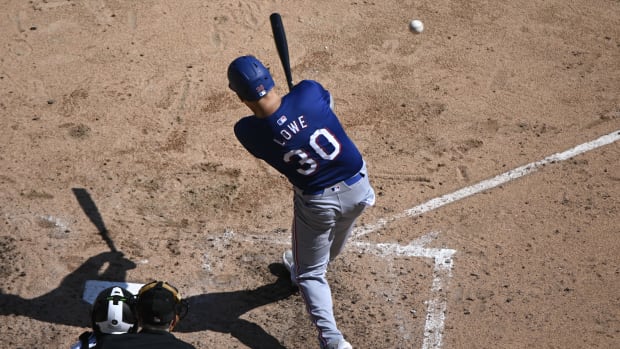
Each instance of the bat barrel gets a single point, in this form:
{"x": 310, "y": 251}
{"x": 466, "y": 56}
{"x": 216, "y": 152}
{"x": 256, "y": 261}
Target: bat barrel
{"x": 279, "y": 36}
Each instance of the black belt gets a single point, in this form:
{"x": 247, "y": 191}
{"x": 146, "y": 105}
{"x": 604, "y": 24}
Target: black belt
{"x": 349, "y": 181}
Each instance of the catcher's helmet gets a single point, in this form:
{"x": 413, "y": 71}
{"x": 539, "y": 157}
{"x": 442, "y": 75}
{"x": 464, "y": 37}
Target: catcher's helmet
{"x": 249, "y": 78}
{"x": 113, "y": 311}
{"x": 160, "y": 303}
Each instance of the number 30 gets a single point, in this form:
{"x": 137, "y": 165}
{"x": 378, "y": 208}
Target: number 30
{"x": 307, "y": 164}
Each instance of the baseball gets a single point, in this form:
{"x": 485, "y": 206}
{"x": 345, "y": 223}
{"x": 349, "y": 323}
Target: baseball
{"x": 416, "y": 26}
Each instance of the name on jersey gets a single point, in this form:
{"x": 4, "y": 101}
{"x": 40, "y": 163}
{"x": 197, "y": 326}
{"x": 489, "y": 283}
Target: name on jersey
{"x": 290, "y": 129}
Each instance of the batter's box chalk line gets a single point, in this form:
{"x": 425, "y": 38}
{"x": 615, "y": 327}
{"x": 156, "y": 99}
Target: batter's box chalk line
{"x": 442, "y": 271}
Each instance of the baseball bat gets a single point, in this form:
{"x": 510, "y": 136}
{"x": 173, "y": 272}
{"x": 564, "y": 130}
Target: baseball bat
{"x": 282, "y": 46}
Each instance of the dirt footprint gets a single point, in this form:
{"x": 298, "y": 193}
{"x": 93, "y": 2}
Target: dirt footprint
{"x": 463, "y": 173}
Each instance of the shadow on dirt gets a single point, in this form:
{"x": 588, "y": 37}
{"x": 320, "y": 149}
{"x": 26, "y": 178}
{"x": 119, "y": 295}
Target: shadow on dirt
{"x": 92, "y": 212}
{"x": 220, "y": 312}
{"x": 64, "y": 305}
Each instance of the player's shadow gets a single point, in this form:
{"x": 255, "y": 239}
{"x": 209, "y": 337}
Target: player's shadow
{"x": 220, "y": 312}
{"x": 64, "y": 305}
{"x": 92, "y": 212}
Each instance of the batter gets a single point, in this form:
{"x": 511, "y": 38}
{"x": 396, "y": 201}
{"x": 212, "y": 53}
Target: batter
{"x": 300, "y": 136}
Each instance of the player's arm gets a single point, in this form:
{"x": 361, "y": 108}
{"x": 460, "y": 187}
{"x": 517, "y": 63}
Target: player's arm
{"x": 325, "y": 95}
{"x": 319, "y": 92}
{"x": 247, "y": 133}
{"x": 244, "y": 137}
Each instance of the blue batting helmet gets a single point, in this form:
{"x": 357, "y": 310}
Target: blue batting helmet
{"x": 249, "y": 78}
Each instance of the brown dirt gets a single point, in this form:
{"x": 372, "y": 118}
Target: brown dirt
{"x": 117, "y": 134}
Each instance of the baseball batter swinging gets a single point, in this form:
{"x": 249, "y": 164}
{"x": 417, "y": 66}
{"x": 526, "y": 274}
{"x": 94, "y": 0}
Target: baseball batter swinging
{"x": 299, "y": 135}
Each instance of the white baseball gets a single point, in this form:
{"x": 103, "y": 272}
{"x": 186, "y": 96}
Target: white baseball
{"x": 416, "y": 25}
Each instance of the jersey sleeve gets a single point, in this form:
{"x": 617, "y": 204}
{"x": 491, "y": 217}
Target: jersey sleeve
{"x": 246, "y": 136}
{"x": 314, "y": 88}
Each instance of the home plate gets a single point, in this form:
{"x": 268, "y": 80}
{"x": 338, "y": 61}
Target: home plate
{"x": 93, "y": 287}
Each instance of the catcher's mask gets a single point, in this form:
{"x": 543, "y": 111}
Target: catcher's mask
{"x": 160, "y": 302}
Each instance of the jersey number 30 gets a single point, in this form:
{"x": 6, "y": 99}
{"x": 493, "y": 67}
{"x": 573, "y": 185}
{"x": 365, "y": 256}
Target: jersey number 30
{"x": 318, "y": 141}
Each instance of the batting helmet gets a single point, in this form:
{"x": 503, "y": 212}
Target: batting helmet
{"x": 113, "y": 311}
{"x": 249, "y": 78}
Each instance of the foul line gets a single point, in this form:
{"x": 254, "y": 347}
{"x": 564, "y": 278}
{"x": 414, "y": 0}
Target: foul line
{"x": 488, "y": 184}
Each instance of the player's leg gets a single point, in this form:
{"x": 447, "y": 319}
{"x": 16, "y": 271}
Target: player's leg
{"x": 353, "y": 201}
{"x": 342, "y": 230}
{"x": 312, "y": 236}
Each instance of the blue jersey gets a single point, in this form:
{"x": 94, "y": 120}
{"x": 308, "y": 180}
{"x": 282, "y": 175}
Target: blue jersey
{"x": 303, "y": 139}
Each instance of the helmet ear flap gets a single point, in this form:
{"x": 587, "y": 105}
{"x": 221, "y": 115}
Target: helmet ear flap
{"x": 182, "y": 308}
{"x": 133, "y": 302}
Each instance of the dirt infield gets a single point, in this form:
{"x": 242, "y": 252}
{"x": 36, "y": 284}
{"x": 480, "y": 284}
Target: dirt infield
{"x": 118, "y": 162}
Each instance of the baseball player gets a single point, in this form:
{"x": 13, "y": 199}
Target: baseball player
{"x": 113, "y": 312}
{"x": 299, "y": 135}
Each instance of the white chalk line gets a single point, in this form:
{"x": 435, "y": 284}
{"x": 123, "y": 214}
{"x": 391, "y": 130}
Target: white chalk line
{"x": 442, "y": 271}
{"x": 487, "y": 184}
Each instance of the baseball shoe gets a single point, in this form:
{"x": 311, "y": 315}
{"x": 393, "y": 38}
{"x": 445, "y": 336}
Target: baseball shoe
{"x": 289, "y": 264}
{"x": 341, "y": 344}
{"x": 287, "y": 259}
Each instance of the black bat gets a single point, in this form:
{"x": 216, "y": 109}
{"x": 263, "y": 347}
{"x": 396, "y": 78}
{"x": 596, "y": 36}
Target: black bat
{"x": 282, "y": 45}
